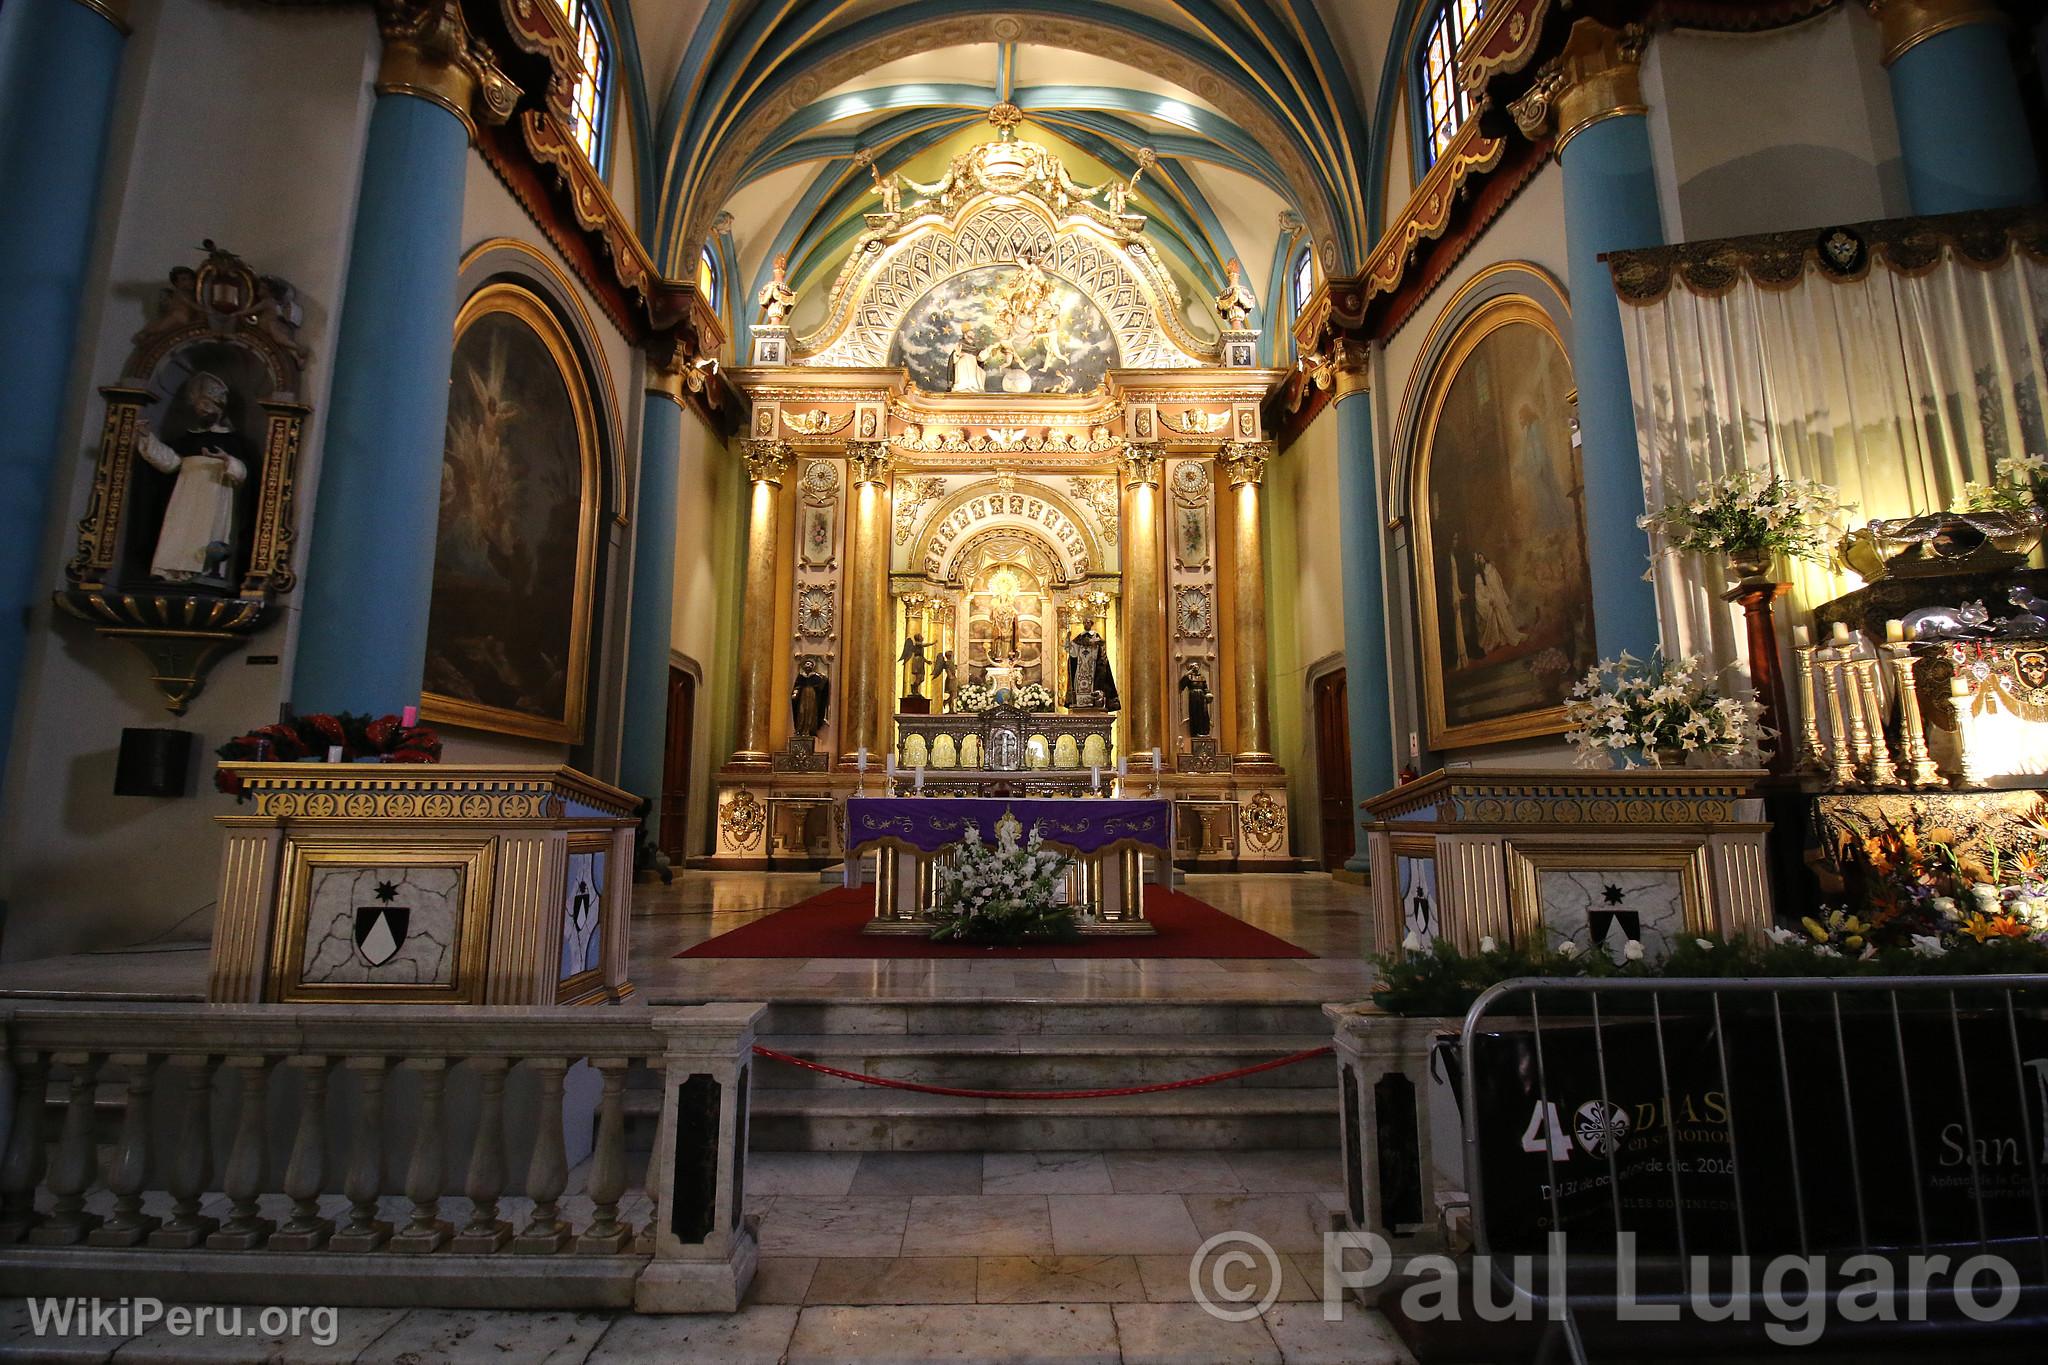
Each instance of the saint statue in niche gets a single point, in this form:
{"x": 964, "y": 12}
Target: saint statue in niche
{"x": 1194, "y": 691}
{"x": 914, "y": 654}
{"x": 208, "y": 459}
{"x": 1091, "y": 684}
{"x": 809, "y": 696}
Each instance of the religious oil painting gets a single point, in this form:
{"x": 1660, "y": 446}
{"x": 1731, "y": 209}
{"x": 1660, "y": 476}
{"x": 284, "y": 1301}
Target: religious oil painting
{"x": 509, "y": 633}
{"x": 1506, "y": 590}
{"x": 1005, "y": 329}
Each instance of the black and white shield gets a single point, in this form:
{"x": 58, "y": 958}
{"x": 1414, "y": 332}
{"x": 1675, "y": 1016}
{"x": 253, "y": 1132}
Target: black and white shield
{"x": 380, "y": 932}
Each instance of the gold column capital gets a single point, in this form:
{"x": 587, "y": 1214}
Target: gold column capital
{"x": 1350, "y": 365}
{"x": 1244, "y": 462}
{"x": 1141, "y": 465}
{"x": 673, "y": 372}
{"x": 430, "y": 54}
{"x": 767, "y": 461}
{"x": 1904, "y": 24}
{"x": 1597, "y": 75}
{"x": 869, "y": 461}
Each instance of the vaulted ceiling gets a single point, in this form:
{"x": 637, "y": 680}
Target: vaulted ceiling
{"x": 756, "y": 109}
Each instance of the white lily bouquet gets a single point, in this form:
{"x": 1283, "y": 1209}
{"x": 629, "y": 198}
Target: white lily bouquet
{"x": 1660, "y": 711}
{"x": 1005, "y": 892}
{"x": 1753, "y": 512}
{"x": 2012, "y": 488}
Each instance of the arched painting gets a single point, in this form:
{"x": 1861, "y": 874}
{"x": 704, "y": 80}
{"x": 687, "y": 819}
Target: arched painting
{"x": 508, "y": 634}
{"x": 1506, "y": 590}
{"x": 1005, "y": 329}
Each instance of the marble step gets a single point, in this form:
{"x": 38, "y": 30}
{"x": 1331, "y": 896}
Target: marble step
{"x": 870, "y": 1120}
{"x": 1011, "y": 1018}
{"x": 1041, "y": 1061}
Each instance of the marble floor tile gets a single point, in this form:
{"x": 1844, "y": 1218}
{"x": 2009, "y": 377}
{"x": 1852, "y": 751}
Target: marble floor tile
{"x": 913, "y": 1173}
{"x": 454, "y": 1336}
{"x": 978, "y": 1225}
{"x": 834, "y": 1227}
{"x": 756, "y": 1335}
{"x": 1045, "y": 1173}
{"x": 1171, "y": 1173}
{"x": 1166, "y": 1279}
{"x": 816, "y": 1175}
{"x": 1288, "y": 1222}
{"x": 1033, "y": 1334}
{"x": 18, "y": 1341}
{"x": 1186, "y": 1334}
{"x": 897, "y": 1279}
{"x": 356, "y": 1330}
{"x": 1360, "y": 1337}
{"x": 1118, "y": 1224}
{"x": 1282, "y": 1171}
{"x": 1059, "y": 1279}
{"x": 782, "y": 1279}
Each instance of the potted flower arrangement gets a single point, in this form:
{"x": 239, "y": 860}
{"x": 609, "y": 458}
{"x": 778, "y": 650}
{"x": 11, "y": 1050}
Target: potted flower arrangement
{"x": 1034, "y": 696}
{"x": 310, "y": 738}
{"x": 1003, "y": 893}
{"x": 1662, "y": 712}
{"x": 972, "y": 697}
{"x": 1751, "y": 517}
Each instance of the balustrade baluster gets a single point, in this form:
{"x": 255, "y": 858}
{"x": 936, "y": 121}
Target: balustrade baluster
{"x": 128, "y": 1165}
{"x": 191, "y": 1159}
{"x": 607, "y": 1236}
{"x": 22, "y": 1169}
{"x": 72, "y": 1170}
{"x": 306, "y": 1171}
{"x": 365, "y": 1179}
{"x": 651, "y": 1183}
{"x": 548, "y": 1173}
{"x": 425, "y": 1231}
{"x": 486, "y": 1232}
{"x": 242, "y": 1178}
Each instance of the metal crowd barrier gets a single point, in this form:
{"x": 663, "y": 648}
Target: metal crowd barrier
{"x": 1671, "y": 1126}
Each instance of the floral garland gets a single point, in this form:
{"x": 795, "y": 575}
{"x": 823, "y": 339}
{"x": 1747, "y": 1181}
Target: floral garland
{"x": 307, "y": 739}
{"x": 1748, "y": 512}
{"x": 1669, "y": 706}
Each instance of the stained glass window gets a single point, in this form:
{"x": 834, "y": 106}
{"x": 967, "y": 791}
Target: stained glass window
{"x": 707, "y": 277}
{"x": 593, "y": 83}
{"x": 1444, "y": 107}
{"x": 1304, "y": 281}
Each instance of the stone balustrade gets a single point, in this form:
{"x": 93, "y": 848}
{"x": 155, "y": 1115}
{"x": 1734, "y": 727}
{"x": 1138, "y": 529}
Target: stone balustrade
{"x": 325, "y": 1154}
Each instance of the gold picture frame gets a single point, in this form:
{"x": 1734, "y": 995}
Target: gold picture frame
{"x": 474, "y": 862}
{"x": 1514, "y": 310}
{"x": 1528, "y": 860}
{"x": 510, "y": 299}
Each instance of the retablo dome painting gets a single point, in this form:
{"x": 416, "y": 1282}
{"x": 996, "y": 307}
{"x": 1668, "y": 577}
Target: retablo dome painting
{"x": 1014, "y": 328}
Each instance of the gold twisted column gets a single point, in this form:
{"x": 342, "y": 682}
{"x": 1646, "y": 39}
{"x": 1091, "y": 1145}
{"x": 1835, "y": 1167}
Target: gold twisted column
{"x": 1144, "y": 622}
{"x": 767, "y": 462}
{"x": 1244, "y": 464}
{"x": 867, "y": 603}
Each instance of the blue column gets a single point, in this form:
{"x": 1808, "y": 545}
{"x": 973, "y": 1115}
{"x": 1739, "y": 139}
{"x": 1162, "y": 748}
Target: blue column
{"x": 363, "y": 640}
{"x": 59, "y": 62}
{"x": 1962, "y": 131}
{"x": 1610, "y": 204}
{"x": 1365, "y": 610}
{"x": 654, "y": 580}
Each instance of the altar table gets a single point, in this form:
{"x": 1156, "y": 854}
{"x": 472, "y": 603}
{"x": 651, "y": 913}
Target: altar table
{"x": 1108, "y": 838}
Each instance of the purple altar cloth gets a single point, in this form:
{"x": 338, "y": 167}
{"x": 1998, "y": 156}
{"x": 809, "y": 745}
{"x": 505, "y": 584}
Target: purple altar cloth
{"x": 1084, "y": 824}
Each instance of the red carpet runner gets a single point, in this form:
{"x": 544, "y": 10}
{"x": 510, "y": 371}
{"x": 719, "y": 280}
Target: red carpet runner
{"x": 828, "y": 925}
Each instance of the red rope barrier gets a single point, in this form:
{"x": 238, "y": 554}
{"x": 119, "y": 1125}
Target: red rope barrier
{"x": 1274, "y": 1065}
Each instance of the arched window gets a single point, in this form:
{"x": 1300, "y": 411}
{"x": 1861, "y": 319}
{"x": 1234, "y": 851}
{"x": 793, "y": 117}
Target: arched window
{"x": 707, "y": 277}
{"x": 593, "y": 87}
{"x": 1302, "y": 280}
{"x": 1441, "y": 106}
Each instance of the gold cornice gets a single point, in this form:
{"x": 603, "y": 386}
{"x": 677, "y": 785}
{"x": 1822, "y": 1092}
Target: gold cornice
{"x": 1595, "y": 77}
{"x": 430, "y": 54}
{"x": 1903, "y": 25}
{"x": 114, "y": 12}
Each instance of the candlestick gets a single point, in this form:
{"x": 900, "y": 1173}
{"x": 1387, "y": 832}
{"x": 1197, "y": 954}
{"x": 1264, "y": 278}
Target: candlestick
{"x": 1922, "y": 771}
{"x": 409, "y": 717}
{"x": 1879, "y": 768}
{"x": 1815, "y": 757}
{"x": 1841, "y": 758}
{"x": 1968, "y": 773}
{"x": 1801, "y": 637}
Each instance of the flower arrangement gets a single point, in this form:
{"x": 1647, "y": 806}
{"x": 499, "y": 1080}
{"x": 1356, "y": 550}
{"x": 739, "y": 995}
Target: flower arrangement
{"x": 1034, "y": 696}
{"x": 2013, "y": 488}
{"x": 307, "y": 739}
{"x": 1665, "y": 708}
{"x": 976, "y": 697}
{"x": 1931, "y": 898}
{"x": 972, "y": 697}
{"x": 1002, "y": 893}
{"x": 1751, "y": 513}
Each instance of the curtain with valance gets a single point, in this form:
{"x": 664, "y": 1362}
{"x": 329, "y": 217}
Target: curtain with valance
{"x": 1894, "y": 361}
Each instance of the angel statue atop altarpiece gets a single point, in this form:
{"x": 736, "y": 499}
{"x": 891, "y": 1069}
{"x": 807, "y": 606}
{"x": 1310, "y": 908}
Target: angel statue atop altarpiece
{"x": 1091, "y": 683}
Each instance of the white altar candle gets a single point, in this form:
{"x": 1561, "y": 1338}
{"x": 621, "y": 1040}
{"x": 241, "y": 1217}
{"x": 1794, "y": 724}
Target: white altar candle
{"x": 1841, "y": 635}
{"x": 1155, "y": 762}
{"x": 889, "y": 764}
{"x": 334, "y": 753}
{"x": 1123, "y": 766}
{"x": 860, "y": 759}
{"x": 1894, "y": 631}
{"x": 1801, "y": 637}
{"x": 1095, "y": 776}
{"x": 917, "y": 779}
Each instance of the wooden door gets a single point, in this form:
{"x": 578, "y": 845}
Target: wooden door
{"x": 675, "y": 766}
{"x": 1333, "y": 770}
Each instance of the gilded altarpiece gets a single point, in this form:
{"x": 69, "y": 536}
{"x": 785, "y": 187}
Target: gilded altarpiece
{"x": 1025, "y": 436}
